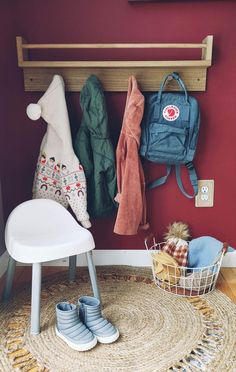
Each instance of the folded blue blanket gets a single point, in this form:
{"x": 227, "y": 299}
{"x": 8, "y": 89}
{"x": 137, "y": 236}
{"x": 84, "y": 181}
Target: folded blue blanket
{"x": 204, "y": 251}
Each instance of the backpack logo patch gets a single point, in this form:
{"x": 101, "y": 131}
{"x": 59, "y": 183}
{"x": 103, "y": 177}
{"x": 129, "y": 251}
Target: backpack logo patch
{"x": 170, "y": 112}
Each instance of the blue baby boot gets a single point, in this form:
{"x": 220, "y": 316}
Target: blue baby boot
{"x": 71, "y": 330}
{"x": 91, "y": 315}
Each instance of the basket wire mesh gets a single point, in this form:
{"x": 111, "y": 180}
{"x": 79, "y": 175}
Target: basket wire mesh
{"x": 182, "y": 280}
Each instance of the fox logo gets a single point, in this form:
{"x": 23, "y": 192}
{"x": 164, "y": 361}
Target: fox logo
{"x": 170, "y": 112}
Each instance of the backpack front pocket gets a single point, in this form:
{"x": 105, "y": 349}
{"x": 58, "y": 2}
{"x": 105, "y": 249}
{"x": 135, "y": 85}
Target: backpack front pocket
{"x": 167, "y": 142}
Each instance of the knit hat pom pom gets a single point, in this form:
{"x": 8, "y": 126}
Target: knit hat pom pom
{"x": 178, "y": 230}
{"x": 33, "y": 111}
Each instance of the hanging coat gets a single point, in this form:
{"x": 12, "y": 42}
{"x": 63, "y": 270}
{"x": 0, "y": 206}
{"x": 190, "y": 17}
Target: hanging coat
{"x": 130, "y": 177}
{"x": 59, "y": 174}
{"x": 94, "y": 149}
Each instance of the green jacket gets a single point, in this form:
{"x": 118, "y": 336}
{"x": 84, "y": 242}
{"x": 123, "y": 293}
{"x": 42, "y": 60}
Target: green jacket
{"x": 94, "y": 149}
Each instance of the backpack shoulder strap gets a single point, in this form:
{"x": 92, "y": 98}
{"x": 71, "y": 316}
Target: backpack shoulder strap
{"x": 160, "y": 181}
{"x": 192, "y": 176}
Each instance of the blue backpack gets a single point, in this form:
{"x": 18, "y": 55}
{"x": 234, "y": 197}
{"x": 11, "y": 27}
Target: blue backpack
{"x": 169, "y": 134}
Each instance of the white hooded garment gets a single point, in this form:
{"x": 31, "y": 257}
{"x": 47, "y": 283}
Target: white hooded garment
{"x": 59, "y": 174}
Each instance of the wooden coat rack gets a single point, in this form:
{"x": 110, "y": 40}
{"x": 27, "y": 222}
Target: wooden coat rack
{"x": 114, "y": 74}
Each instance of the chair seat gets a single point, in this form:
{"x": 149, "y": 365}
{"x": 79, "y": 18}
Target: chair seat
{"x": 41, "y": 230}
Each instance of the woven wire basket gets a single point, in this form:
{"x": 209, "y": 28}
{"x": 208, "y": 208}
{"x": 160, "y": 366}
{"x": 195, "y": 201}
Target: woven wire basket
{"x": 182, "y": 280}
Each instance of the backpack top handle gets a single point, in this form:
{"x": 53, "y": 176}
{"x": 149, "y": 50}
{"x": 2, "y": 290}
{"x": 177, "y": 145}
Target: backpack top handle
{"x": 176, "y": 77}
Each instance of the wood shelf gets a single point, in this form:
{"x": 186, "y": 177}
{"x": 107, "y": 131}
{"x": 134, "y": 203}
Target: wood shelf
{"x": 114, "y": 74}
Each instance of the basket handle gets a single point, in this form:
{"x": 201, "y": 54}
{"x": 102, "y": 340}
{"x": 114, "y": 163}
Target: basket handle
{"x": 225, "y": 247}
{"x": 150, "y": 237}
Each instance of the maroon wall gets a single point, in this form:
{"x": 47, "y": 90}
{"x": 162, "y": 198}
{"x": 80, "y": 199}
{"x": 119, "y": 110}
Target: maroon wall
{"x": 90, "y": 21}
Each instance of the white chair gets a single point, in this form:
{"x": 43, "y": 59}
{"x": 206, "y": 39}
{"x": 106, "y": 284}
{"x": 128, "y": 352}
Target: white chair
{"x": 42, "y": 230}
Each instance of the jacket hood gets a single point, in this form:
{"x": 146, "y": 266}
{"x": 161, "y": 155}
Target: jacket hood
{"x": 54, "y": 109}
{"x": 133, "y": 110}
{"x": 93, "y": 105}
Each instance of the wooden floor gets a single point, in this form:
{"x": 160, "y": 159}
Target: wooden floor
{"x": 226, "y": 280}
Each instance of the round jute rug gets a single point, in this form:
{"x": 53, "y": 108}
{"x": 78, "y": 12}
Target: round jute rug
{"x": 158, "y": 331}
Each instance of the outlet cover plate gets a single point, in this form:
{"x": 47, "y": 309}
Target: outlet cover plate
{"x": 205, "y": 196}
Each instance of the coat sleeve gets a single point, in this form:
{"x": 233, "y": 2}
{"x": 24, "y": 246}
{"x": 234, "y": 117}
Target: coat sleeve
{"x": 73, "y": 184}
{"x": 83, "y": 151}
{"x": 130, "y": 212}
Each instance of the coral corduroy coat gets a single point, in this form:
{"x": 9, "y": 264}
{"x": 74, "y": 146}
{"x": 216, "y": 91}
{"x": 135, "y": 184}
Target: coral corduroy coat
{"x": 130, "y": 177}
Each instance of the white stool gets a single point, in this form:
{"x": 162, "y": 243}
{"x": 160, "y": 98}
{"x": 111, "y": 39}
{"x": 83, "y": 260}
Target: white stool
{"x": 42, "y": 230}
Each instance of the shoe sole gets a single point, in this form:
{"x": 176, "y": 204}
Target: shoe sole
{"x": 77, "y": 347}
{"x": 108, "y": 340}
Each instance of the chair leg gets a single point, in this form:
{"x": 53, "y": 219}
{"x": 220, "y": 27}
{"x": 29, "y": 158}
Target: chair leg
{"x": 35, "y": 298}
{"x": 72, "y": 268}
{"x": 9, "y": 279}
{"x": 93, "y": 275}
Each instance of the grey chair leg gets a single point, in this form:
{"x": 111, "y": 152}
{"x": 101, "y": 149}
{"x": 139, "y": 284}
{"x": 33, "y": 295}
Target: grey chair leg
{"x": 35, "y": 298}
{"x": 9, "y": 279}
{"x": 93, "y": 275}
{"x": 72, "y": 268}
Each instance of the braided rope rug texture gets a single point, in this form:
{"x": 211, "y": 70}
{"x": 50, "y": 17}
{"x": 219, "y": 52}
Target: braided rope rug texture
{"x": 158, "y": 330}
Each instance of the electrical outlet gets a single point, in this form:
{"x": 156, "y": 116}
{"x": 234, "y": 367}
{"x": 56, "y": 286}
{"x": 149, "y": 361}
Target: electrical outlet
{"x": 205, "y": 196}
